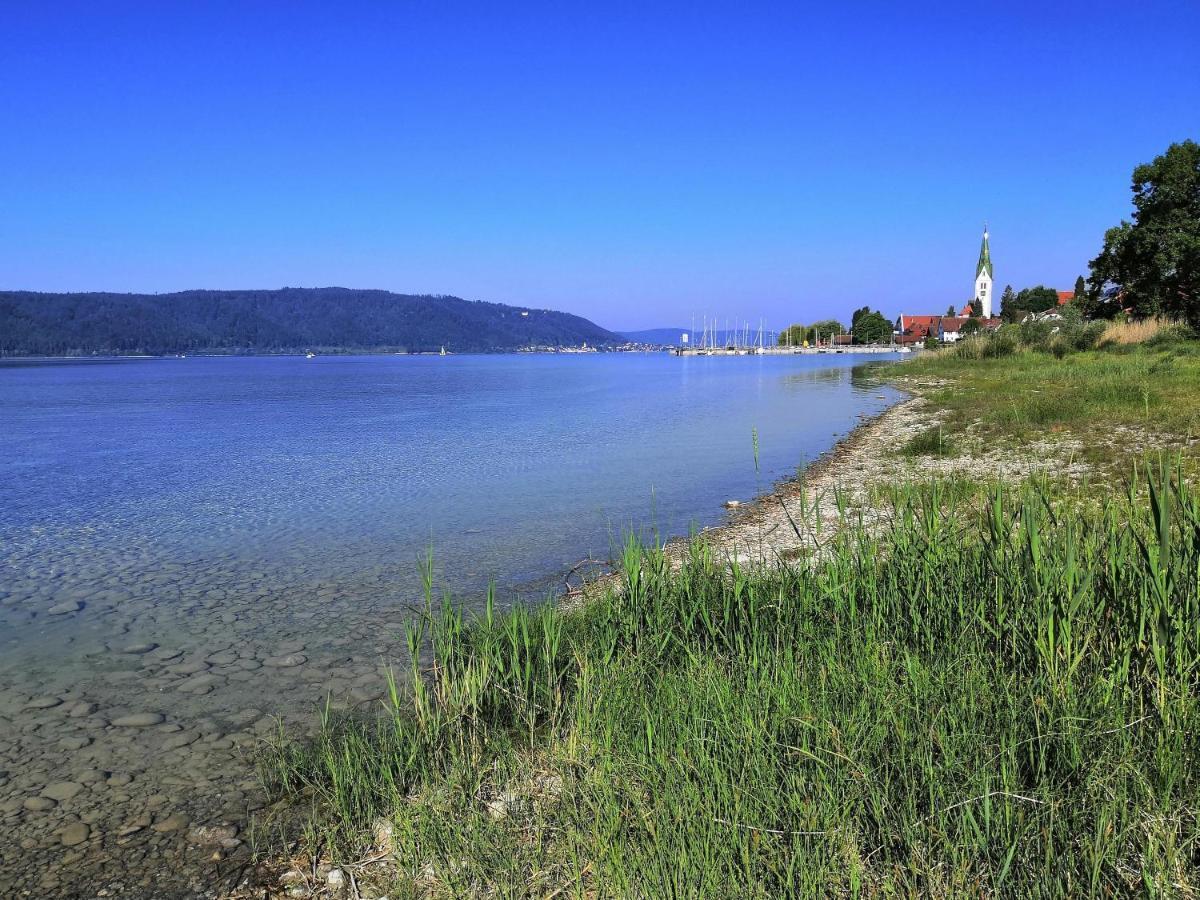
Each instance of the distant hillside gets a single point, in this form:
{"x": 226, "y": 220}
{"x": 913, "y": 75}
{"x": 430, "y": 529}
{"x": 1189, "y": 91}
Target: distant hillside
{"x": 291, "y": 319}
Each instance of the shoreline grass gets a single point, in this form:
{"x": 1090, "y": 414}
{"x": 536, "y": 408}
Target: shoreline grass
{"x": 1119, "y": 401}
{"x": 989, "y": 698}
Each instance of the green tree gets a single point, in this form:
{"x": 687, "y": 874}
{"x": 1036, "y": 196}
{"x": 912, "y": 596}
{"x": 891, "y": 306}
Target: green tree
{"x": 869, "y": 327}
{"x": 971, "y": 326}
{"x": 931, "y": 343}
{"x": 793, "y": 335}
{"x": 796, "y": 335}
{"x": 1014, "y": 307}
{"x": 829, "y": 326}
{"x": 1152, "y": 264}
{"x": 951, "y": 311}
{"x": 976, "y": 309}
{"x": 1036, "y": 299}
{"x": 1008, "y": 303}
{"x": 1080, "y": 297}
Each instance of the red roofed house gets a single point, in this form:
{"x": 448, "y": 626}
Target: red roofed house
{"x": 1065, "y": 297}
{"x": 915, "y": 329}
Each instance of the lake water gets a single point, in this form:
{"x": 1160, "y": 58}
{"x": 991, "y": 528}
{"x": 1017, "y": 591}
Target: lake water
{"x": 218, "y": 541}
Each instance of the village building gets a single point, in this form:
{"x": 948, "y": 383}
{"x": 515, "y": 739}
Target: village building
{"x": 916, "y": 329}
{"x": 950, "y": 328}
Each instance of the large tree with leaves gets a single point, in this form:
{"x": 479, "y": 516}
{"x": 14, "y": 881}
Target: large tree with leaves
{"x": 869, "y": 327}
{"x": 1008, "y": 301}
{"x": 1151, "y": 266}
{"x": 827, "y": 327}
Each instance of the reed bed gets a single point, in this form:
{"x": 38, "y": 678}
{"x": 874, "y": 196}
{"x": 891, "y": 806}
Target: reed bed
{"x": 1133, "y": 332}
{"x": 994, "y": 694}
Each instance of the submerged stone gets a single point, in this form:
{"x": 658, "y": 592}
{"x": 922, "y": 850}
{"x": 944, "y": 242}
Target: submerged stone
{"x": 285, "y": 662}
{"x": 43, "y": 703}
{"x": 65, "y": 608}
{"x": 75, "y": 833}
{"x": 62, "y": 790}
{"x": 139, "y": 720}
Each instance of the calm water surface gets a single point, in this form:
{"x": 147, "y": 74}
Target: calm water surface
{"x": 219, "y": 541}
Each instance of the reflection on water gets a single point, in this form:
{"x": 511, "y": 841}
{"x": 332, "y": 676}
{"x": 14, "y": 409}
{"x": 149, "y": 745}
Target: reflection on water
{"x": 215, "y": 541}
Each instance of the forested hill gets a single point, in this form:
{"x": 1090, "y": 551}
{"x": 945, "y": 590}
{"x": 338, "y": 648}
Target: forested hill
{"x": 291, "y": 319}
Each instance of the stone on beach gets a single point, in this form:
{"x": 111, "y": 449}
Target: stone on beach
{"x": 212, "y": 835}
{"x": 62, "y": 790}
{"x": 138, "y": 720}
{"x": 173, "y": 822}
{"x": 199, "y": 684}
{"x": 43, "y": 703}
{"x": 75, "y": 833}
{"x": 189, "y": 668}
{"x": 182, "y": 739}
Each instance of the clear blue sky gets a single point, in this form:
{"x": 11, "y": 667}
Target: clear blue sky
{"x": 633, "y": 166}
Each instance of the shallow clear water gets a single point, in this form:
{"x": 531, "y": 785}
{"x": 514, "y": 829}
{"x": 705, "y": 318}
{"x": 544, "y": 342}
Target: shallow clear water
{"x": 234, "y": 512}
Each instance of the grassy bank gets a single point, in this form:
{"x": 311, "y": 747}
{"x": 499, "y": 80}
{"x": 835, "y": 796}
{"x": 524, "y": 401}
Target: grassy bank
{"x": 990, "y": 690}
{"x": 1119, "y": 400}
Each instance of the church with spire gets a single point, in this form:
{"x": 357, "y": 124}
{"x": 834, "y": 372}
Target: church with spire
{"x": 947, "y": 329}
{"x": 983, "y": 277}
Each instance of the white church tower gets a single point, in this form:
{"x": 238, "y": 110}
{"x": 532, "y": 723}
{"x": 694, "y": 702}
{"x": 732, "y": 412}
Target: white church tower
{"x": 983, "y": 277}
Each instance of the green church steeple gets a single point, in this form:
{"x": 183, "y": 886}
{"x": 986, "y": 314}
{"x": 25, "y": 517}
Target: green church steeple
{"x": 985, "y": 257}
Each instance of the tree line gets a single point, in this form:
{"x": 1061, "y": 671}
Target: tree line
{"x": 867, "y": 326}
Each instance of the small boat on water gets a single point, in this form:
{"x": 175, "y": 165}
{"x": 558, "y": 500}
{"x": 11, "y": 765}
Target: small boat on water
{"x": 443, "y": 353}
{"x": 309, "y": 355}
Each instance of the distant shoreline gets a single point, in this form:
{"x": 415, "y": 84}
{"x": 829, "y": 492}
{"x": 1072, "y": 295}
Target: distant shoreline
{"x": 251, "y": 354}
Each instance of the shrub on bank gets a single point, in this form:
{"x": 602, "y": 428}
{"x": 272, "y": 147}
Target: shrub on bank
{"x": 1172, "y": 336}
{"x": 987, "y": 346}
{"x": 930, "y": 442}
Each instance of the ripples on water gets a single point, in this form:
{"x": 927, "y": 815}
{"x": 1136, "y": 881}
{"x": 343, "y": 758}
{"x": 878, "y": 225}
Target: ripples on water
{"x": 238, "y": 511}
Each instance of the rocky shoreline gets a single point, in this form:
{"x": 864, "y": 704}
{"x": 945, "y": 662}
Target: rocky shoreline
{"x": 868, "y": 460}
{"x": 766, "y": 530}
